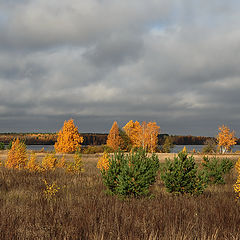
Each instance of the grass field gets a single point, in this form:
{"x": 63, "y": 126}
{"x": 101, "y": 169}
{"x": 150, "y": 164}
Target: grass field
{"x": 82, "y": 209}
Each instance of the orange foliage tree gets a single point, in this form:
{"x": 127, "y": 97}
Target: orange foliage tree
{"x": 114, "y": 139}
{"x": 134, "y": 131}
{"x": 225, "y": 139}
{"x": 145, "y": 135}
{"x": 17, "y": 155}
{"x": 151, "y": 136}
{"x": 69, "y": 139}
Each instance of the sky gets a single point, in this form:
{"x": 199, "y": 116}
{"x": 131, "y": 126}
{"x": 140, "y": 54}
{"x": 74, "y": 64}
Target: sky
{"x": 175, "y": 62}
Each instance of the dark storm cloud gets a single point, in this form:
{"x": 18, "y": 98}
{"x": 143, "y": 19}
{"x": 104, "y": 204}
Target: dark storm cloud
{"x": 174, "y": 62}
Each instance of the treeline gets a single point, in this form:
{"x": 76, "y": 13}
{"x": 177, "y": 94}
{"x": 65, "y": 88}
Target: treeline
{"x": 95, "y": 138}
{"x": 51, "y": 138}
{"x": 189, "y": 140}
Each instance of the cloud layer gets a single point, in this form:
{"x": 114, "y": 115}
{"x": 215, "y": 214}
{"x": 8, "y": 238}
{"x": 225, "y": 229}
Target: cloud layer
{"x": 175, "y": 62}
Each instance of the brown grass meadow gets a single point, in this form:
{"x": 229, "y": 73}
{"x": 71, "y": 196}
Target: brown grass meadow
{"x": 82, "y": 209}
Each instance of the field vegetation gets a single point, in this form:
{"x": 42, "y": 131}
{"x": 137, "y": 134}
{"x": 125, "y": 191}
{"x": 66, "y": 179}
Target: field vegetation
{"x": 61, "y": 205}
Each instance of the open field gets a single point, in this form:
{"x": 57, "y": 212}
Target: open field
{"x": 94, "y": 157}
{"x": 82, "y": 209}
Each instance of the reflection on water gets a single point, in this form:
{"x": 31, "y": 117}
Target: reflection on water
{"x": 40, "y": 147}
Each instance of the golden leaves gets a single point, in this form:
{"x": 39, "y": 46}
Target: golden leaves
{"x": 114, "y": 138}
{"x": 134, "y": 131}
{"x": 32, "y": 165}
{"x": 145, "y": 135}
{"x": 103, "y": 162}
{"x": 50, "y": 189}
{"x": 236, "y": 186}
{"x": 225, "y": 139}
{"x": 69, "y": 139}
{"x": 17, "y": 155}
{"x": 49, "y": 162}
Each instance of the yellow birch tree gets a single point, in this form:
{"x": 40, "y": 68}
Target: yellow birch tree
{"x": 145, "y": 135}
{"x": 114, "y": 139}
{"x": 69, "y": 139}
{"x": 225, "y": 139}
{"x": 134, "y": 131}
{"x": 152, "y": 136}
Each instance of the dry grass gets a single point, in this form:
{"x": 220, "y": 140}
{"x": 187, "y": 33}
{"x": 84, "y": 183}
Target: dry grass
{"x": 82, "y": 210}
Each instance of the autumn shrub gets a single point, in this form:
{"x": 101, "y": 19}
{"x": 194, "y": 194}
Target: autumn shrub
{"x": 130, "y": 174}
{"x": 77, "y": 165}
{"x": 61, "y": 163}
{"x": 50, "y": 190}
{"x": 49, "y": 162}
{"x": 216, "y": 169}
{"x": 236, "y": 186}
{"x": 103, "y": 162}
{"x": 210, "y": 146}
{"x": 181, "y": 175}
{"x": 32, "y": 165}
{"x": 17, "y": 155}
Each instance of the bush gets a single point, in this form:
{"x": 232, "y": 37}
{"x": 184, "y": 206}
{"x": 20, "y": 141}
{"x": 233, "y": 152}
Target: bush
{"x": 167, "y": 145}
{"x": 77, "y": 165}
{"x": 181, "y": 175}
{"x": 17, "y": 155}
{"x": 49, "y": 162}
{"x": 216, "y": 168}
{"x": 210, "y": 146}
{"x": 93, "y": 149}
{"x": 103, "y": 162}
{"x": 2, "y": 146}
{"x": 97, "y": 149}
{"x": 130, "y": 174}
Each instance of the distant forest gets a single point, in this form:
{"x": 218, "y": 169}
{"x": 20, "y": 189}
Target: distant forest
{"x": 94, "y": 138}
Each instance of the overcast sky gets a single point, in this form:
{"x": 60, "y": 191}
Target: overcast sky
{"x": 174, "y": 62}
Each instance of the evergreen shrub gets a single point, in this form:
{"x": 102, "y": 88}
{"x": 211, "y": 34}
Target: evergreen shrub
{"x": 215, "y": 169}
{"x": 130, "y": 174}
{"x": 182, "y": 176}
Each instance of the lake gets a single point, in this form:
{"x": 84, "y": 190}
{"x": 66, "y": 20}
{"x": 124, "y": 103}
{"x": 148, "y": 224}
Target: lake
{"x": 176, "y": 149}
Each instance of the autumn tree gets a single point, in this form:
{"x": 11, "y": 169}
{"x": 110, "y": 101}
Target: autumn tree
{"x": 152, "y": 136}
{"x": 125, "y": 143}
{"x": 17, "y": 155}
{"x": 225, "y": 139}
{"x": 114, "y": 139}
{"x": 69, "y": 139}
{"x": 134, "y": 131}
{"x": 145, "y": 135}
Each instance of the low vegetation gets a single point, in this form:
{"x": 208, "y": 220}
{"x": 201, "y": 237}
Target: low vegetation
{"x": 182, "y": 176}
{"x": 129, "y": 174}
{"x": 59, "y": 205}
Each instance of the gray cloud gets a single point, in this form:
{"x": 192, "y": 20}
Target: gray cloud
{"x": 174, "y": 62}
